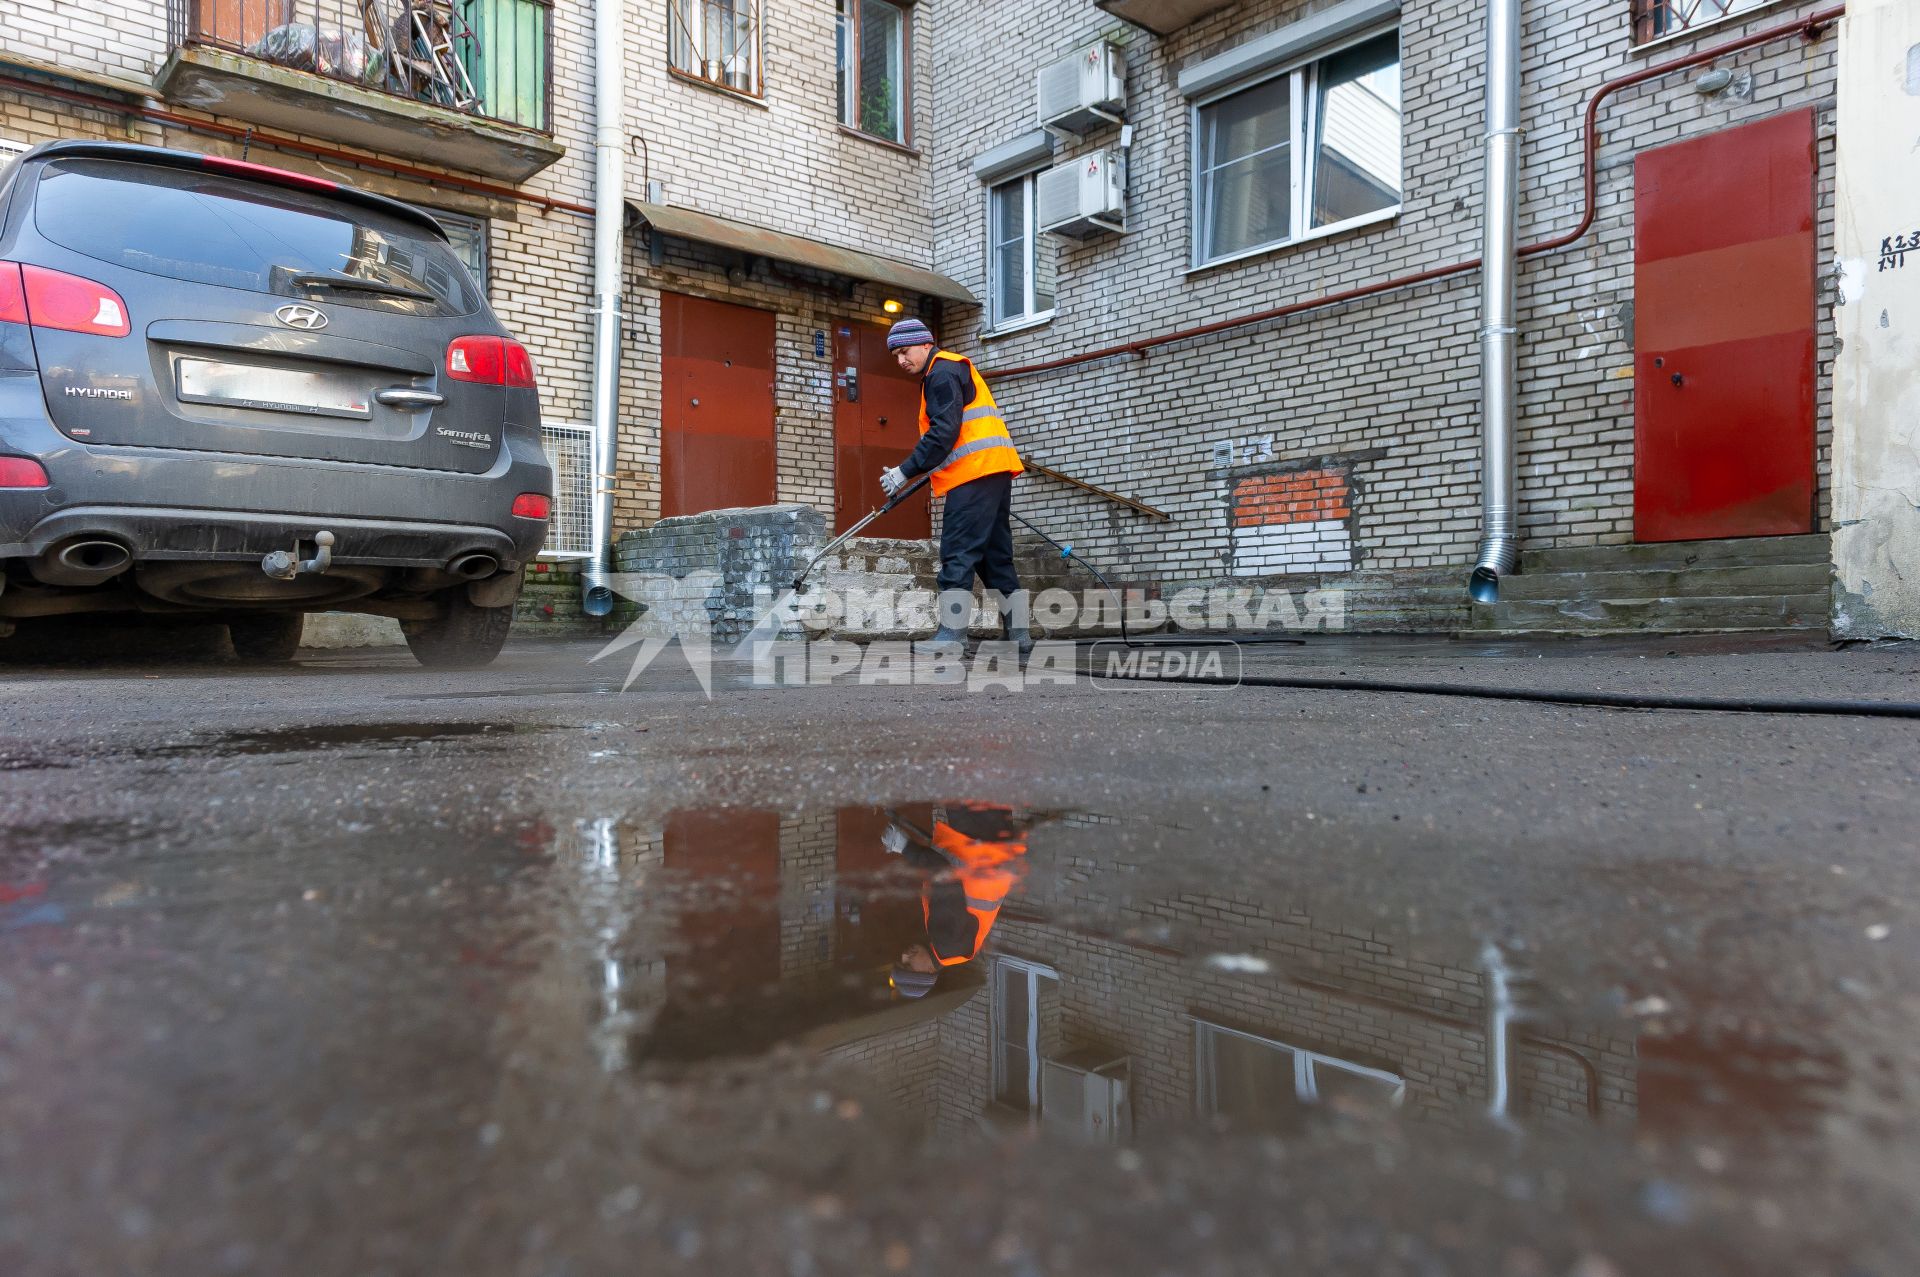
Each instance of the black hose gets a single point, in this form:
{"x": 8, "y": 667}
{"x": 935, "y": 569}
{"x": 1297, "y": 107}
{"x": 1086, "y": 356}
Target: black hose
{"x": 1550, "y": 696}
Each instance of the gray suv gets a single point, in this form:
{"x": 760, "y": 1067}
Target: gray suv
{"x": 231, "y": 390}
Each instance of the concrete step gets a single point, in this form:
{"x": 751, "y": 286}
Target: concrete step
{"x": 1656, "y": 615}
{"x": 1707, "y": 580}
{"x": 1677, "y": 555}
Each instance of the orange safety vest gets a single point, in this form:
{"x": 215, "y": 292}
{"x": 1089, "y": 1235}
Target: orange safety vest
{"x": 987, "y": 871}
{"x": 984, "y": 447}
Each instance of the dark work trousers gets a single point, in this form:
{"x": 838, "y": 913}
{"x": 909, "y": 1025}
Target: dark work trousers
{"x": 976, "y": 535}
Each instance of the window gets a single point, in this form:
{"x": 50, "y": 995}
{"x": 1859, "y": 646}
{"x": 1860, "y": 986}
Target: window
{"x": 1016, "y": 1032}
{"x": 1269, "y": 1086}
{"x": 717, "y": 41}
{"x": 194, "y": 226}
{"x": 468, "y": 235}
{"x": 874, "y": 86}
{"x": 1313, "y": 149}
{"x": 1020, "y": 263}
{"x": 1653, "y": 19}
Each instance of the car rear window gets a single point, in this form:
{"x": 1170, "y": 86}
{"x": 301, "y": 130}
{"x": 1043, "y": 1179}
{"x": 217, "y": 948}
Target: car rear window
{"x": 210, "y": 229}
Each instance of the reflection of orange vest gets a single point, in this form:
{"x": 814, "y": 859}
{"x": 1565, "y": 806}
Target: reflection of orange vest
{"x": 986, "y": 871}
{"x": 984, "y": 447}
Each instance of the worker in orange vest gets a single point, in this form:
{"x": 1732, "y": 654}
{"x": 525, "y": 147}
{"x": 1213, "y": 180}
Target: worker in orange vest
{"x": 974, "y": 856}
{"x": 965, "y": 445}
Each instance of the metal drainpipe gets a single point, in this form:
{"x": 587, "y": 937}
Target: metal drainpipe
{"x": 609, "y": 245}
{"x": 1499, "y": 336}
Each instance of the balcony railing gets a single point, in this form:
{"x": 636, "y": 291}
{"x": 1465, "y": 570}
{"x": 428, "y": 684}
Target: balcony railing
{"x": 1657, "y": 19}
{"x": 486, "y": 58}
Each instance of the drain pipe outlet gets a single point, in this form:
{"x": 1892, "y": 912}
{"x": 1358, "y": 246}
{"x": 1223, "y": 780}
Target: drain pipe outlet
{"x": 1499, "y": 335}
{"x": 609, "y": 245}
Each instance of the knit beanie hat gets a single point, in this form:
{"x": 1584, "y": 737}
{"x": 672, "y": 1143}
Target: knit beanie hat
{"x": 909, "y": 332}
{"x": 913, "y": 984}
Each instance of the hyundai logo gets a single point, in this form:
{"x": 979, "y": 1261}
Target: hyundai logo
{"x": 301, "y": 317}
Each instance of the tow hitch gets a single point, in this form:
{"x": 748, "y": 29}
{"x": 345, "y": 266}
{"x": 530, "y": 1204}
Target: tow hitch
{"x": 284, "y": 565}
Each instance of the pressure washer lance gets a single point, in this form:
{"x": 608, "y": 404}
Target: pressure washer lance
{"x": 800, "y": 582}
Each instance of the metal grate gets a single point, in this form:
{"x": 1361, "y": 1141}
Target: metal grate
{"x": 717, "y": 41}
{"x": 570, "y": 532}
{"x": 1656, "y": 19}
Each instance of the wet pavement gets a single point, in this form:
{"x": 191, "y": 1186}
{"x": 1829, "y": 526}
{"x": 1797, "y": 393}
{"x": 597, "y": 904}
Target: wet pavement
{"x": 361, "y": 969}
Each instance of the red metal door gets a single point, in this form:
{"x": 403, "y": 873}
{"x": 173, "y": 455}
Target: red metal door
{"x": 876, "y": 423}
{"x": 727, "y": 934}
{"x": 1723, "y": 334}
{"x": 716, "y": 406}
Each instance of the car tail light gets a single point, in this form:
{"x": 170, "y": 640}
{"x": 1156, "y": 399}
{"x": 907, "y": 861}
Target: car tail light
{"x": 22, "y": 472}
{"x": 13, "y": 294}
{"x": 266, "y": 173}
{"x": 73, "y": 304}
{"x": 519, "y": 366}
{"x": 533, "y": 505}
{"x": 491, "y": 361}
{"x": 481, "y": 359}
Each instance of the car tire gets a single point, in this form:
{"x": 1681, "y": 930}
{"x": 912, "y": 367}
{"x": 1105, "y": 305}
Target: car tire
{"x": 266, "y": 638}
{"x": 464, "y": 638}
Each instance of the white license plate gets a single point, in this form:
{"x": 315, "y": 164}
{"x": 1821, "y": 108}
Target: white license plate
{"x": 316, "y": 394}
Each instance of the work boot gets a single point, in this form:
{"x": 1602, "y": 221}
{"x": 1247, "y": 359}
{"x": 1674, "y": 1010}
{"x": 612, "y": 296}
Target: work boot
{"x": 946, "y": 641}
{"x": 1019, "y": 635}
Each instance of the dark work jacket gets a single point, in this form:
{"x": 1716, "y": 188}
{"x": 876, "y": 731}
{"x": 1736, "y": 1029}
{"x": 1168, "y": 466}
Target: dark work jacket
{"x": 948, "y": 388}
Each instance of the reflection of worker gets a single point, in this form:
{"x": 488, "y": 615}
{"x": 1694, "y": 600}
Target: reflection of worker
{"x": 973, "y": 858}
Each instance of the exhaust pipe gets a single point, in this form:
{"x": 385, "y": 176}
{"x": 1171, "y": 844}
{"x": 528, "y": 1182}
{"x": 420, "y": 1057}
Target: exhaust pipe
{"x": 83, "y": 562}
{"x": 474, "y": 567}
{"x": 1499, "y": 335}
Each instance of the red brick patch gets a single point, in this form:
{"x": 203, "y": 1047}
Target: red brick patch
{"x": 1300, "y": 496}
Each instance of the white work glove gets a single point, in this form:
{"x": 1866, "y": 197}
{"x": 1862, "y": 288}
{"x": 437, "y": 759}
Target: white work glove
{"x": 892, "y": 479}
{"x": 894, "y": 839}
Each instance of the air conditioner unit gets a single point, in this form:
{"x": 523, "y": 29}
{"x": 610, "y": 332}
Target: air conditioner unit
{"x": 1082, "y": 92}
{"x": 1084, "y": 196}
{"x": 1086, "y": 1095}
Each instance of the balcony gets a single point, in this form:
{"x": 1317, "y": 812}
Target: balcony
{"x": 458, "y": 83}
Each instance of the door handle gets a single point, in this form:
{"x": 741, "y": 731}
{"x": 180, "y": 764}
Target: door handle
{"x": 409, "y": 398}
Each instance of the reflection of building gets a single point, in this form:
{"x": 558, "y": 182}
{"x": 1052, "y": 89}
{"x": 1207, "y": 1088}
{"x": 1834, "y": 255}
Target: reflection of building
{"x": 760, "y": 928}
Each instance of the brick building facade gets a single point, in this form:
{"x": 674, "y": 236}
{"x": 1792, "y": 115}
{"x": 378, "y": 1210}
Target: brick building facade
{"x": 1371, "y": 406}
{"x": 1379, "y": 395}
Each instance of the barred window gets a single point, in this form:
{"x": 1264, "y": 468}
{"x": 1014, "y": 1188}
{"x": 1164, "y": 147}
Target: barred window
{"x": 1655, "y": 19}
{"x": 716, "y": 41}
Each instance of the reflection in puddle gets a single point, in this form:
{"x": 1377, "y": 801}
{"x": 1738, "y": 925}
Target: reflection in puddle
{"x": 989, "y": 969}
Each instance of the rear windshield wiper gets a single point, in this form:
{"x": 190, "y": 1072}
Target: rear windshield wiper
{"x": 356, "y": 284}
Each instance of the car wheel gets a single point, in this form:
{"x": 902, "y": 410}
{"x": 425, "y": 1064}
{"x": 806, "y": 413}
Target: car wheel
{"x": 266, "y": 638}
{"x": 465, "y": 638}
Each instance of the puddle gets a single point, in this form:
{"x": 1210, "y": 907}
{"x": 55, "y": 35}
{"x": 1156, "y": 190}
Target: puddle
{"x": 342, "y": 736}
{"x": 978, "y": 966}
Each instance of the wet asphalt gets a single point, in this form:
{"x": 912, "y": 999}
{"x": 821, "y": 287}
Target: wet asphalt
{"x": 356, "y": 968}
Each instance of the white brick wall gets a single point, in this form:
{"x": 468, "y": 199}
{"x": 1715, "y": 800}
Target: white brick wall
{"x": 1398, "y": 371}
{"x": 1395, "y": 374}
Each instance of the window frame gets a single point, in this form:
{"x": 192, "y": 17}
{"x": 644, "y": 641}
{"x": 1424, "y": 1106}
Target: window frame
{"x": 1302, "y": 117}
{"x": 482, "y": 229}
{"x": 1305, "y": 1061}
{"x": 847, "y": 72}
{"x": 757, "y": 58}
{"x": 1031, "y": 316}
{"x": 1032, "y": 973}
{"x": 1640, "y": 10}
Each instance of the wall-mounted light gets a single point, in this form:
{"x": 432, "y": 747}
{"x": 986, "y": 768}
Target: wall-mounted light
{"x": 891, "y": 306}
